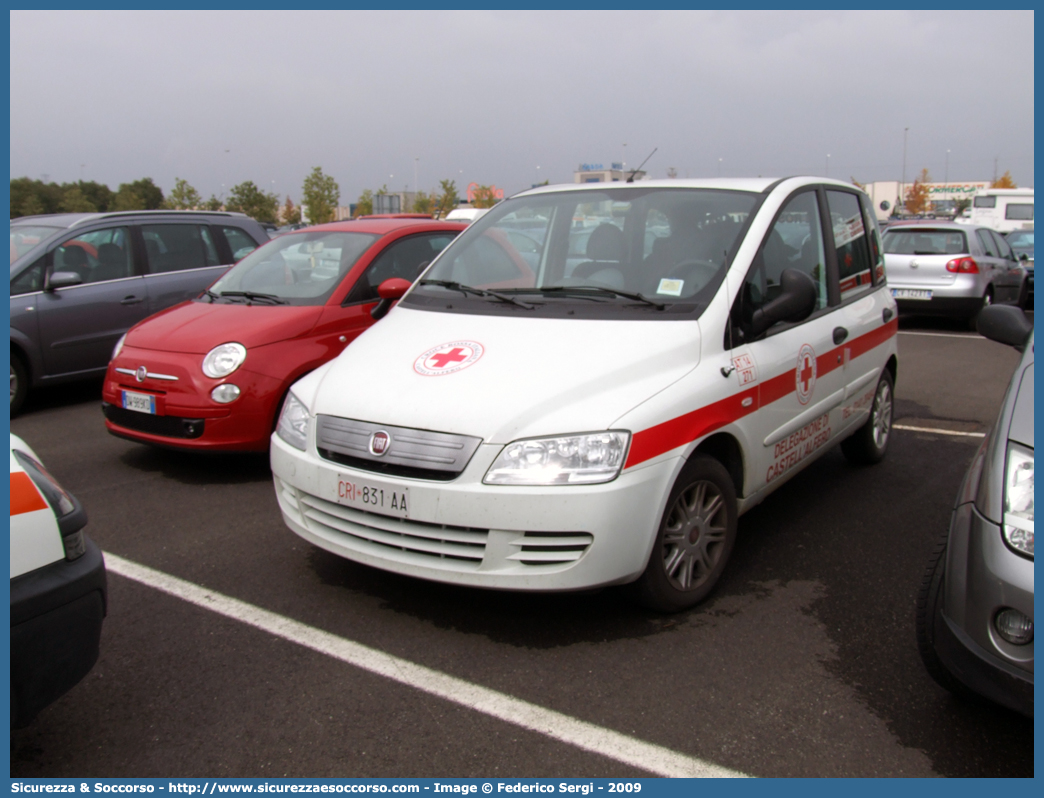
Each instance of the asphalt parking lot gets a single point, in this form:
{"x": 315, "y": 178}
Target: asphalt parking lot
{"x": 803, "y": 662}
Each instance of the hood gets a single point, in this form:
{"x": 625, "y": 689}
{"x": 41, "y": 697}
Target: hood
{"x": 197, "y": 327}
{"x": 501, "y": 378}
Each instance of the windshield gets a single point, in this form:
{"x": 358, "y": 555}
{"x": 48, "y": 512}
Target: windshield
{"x": 925, "y": 242}
{"x": 293, "y": 269}
{"x": 618, "y": 246}
{"x": 1022, "y": 240}
{"x": 24, "y": 237}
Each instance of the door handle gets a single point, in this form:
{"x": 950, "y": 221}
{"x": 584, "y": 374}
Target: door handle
{"x": 887, "y": 314}
{"x": 840, "y": 334}
{"x": 132, "y": 300}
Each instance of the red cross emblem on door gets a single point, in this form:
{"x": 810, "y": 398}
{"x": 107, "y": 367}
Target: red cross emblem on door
{"x": 805, "y": 374}
{"x": 448, "y": 358}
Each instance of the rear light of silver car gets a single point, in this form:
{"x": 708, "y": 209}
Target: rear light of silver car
{"x": 963, "y": 266}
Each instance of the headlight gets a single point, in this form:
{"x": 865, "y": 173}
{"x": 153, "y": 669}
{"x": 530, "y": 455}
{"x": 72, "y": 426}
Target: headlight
{"x": 564, "y": 460}
{"x": 293, "y": 423}
{"x": 1018, "y": 499}
{"x": 119, "y": 346}
{"x": 223, "y": 360}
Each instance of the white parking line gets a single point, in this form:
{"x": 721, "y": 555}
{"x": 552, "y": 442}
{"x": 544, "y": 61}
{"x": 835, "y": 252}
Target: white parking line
{"x": 940, "y": 431}
{"x": 605, "y": 742}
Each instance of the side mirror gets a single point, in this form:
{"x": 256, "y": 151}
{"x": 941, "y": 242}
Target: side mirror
{"x": 62, "y": 280}
{"x": 1005, "y": 324}
{"x": 796, "y": 303}
{"x": 390, "y": 290}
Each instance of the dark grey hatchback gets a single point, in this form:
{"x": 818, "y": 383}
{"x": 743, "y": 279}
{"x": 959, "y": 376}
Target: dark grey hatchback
{"x": 80, "y": 280}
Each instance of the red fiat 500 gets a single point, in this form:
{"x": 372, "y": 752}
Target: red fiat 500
{"x": 211, "y": 373}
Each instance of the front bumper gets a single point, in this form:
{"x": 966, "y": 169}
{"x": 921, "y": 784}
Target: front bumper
{"x": 56, "y": 620}
{"x": 186, "y": 417}
{"x": 559, "y": 538}
{"x": 983, "y": 576}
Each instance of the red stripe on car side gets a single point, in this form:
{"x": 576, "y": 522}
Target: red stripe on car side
{"x": 654, "y": 441}
{"x": 25, "y": 498}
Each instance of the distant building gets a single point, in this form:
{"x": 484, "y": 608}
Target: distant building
{"x": 596, "y": 173}
{"x": 943, "y": 196}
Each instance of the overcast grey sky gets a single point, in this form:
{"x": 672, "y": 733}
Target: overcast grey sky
{"x": 514, "y": 98}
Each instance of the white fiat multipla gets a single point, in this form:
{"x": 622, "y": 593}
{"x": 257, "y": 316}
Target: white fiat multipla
{"x": 593, "y": 382}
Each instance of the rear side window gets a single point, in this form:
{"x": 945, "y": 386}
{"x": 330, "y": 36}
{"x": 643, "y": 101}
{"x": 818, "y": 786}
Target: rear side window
{"x": 177, "y": 247}
{"x": 403, "y": 258}
{"x": 851, "y": 242}
{"x": 1019, "y": 211}
{"x": 239, "y": 242}
{"x": 987, "y": 243}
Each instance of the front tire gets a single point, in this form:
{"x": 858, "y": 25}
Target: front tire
{"x": 694, "y": 541}
{"x": 19, "y": 383}
{"x": 870, "y": 442}
{"x": 929, "y": 616}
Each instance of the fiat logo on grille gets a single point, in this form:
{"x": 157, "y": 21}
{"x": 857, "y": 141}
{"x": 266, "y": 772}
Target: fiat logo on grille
{"x": 379, "y": 443}
{"x": 140, "y": 374}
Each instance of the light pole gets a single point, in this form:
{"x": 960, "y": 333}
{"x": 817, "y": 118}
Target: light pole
{"x": 827, "y": 165}
{"x": 719, "y": 167}
{"x": 902, "y": 186}
{"x": 416, "y": 185}
{"x": 946, "y": 172}
{"x": 538, "y": 176}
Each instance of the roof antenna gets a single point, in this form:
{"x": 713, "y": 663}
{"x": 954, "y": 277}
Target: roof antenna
{"x": 647, "y": 157}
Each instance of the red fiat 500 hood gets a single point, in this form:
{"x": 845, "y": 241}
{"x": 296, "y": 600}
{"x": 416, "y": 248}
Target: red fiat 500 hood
{"x": 197, "y": 327}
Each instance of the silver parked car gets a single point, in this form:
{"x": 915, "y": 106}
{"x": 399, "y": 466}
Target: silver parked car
{"x": 80, "y": 280}
{"x": 951, "y": 269}
{"x": 975, "y": 606}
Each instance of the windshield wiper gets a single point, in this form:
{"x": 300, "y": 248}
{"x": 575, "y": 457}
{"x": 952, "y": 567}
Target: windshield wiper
{"x": 467, "y": 289}
{"x": 252, "y": 295}
{"x": 597, "y": 289}
{"x": 213, "y": 297}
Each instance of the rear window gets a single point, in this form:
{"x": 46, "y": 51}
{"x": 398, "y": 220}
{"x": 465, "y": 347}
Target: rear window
{"x": 925, "y": 242}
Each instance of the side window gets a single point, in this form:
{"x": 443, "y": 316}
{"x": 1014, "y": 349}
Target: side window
{"x": 1019, "y": 210}
{"x": 987, "y": 243}
{"x": 876, "y": 247}
{"x": 32, "y": 279}
{"x": 795, "y": 242}
{"x": 1002, "y": 246}
{"x": 402, "y": 258}
{"x": 96, "y": 256}
{"x": 851, "y": 242}
{"x": 176, "y": 247}
{"x": 239, "y": 242}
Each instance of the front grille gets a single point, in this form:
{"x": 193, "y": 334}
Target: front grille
{"x": 433, "y": 540}
{"x": 167, "y": 426}
{"x": 457, "y": 548}
{"x": 421, "y": 454}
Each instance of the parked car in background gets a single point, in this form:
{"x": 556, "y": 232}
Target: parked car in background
{"x": 951, "y": 269}
{"x": 58, "y": 588}
{"x": 80, "y": 280}
{"x": 975, "y": 607}
{"x": 1021, "y": 242}
{"x": 211, "y": 374}
{"x": 465, "y": 214}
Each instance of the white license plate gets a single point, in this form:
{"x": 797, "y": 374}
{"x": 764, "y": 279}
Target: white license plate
{"x": 139, "y": 402}
{"x": 383, "y": 499}
{"x": 911, "y": 293}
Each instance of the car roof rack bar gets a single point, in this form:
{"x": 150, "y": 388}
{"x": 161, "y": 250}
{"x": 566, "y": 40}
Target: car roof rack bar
{"x": 160, "y": 212}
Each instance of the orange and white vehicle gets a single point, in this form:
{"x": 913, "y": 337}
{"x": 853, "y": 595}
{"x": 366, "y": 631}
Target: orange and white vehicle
{"x": 58, "y": 588}
{"x": 600, "y": 408}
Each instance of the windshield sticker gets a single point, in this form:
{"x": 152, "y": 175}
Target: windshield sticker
{"x": 848, "y": 230}
{"x": 448, "y": 358}
{"x": 670, "y": 287}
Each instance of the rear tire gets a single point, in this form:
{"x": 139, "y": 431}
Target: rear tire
{"x": 929, "y": 617}
{"x": 870, "y": 442}
{"x": 19, "y": 383}
{"x": 694, "y": 541}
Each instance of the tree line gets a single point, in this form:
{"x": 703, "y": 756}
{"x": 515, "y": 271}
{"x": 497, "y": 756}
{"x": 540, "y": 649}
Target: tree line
{"x": 320, "y": 196}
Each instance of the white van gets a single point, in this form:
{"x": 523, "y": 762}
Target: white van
{"x": 1002, "y": 209}
{"x": 599, "y": 405}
